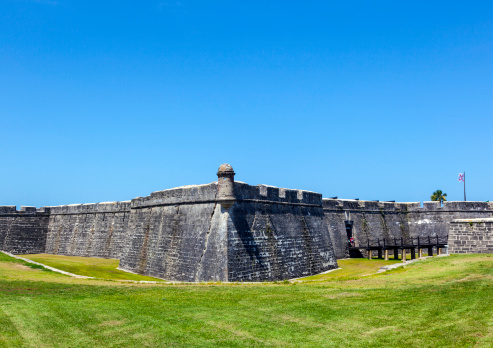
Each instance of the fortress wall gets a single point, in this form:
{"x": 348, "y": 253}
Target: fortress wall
{"x": 434, "y": 220}
{"x": 370, "y": 221}
{"x": 471, "y": 236}
{"x": 277, "y": 234}
{"x": 185, "y": 234}
{"x": 378, "y": 220}
{"x": 224, "y": 231}
{"x": 190, "y": 233}
{"x": 335, "y": 217}
{"x": 23, "y": 231}
{"x": 174, "y": 235}
{"x": 92, "y": 230}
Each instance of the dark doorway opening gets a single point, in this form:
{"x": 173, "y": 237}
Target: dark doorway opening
{"x": 353, "y": 253}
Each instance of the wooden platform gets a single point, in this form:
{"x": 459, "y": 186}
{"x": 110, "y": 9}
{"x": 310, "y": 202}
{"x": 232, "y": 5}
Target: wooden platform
{"x": 382, "y": 246}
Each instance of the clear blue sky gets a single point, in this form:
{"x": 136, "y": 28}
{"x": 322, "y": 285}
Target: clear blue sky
{"x": 110, "y": 100}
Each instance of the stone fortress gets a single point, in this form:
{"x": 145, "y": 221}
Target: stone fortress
{"x": 232, "y": 231}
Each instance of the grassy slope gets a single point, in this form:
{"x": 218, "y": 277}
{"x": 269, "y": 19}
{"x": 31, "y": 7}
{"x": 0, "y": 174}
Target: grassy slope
{"x": 441, "y": 302}
{"x": 87, "y": 266}
{"x": 352, "y": 269}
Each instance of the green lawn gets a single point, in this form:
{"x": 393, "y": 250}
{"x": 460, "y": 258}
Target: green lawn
{"x": 352, "y": 269}
{"x": 87, "y": 266}
{"x": 439, "y": 302}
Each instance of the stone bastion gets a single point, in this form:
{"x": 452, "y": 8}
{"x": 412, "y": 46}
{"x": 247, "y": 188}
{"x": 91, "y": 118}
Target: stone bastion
{"x": 229, "y": 231}
{"x": 222, "y": 231}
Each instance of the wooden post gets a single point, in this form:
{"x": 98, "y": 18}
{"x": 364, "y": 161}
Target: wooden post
{"x": 439, "y": 251}
{"x": 420, "y": 252}
{"x": 430, "y": 251}
{"x": 413, "y": 253}
{"x": 369, "y": 254}
{"x": 380, "y": 253}
{"x": 403, "y": 254}
{"x": 386, "y": 255}
{"x": 396, "y": 254}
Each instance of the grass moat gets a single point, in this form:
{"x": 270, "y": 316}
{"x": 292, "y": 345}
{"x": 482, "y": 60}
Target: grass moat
{"x": 438, "y": 302}
{"x": 88, "y": 266}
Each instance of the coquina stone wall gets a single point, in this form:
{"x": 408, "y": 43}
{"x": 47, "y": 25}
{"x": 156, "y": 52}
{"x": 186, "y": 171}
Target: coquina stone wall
{"x": 267, "y": 234}
{"x": 92, "y": 230}
{"x": 23, "y": 231}
{"x": 371, "y": 220}
{"x": 226, "y": 230}
{"x": 223, "y": 231}
{"x": 277, "y": 234}
{"x": 471, "y": 236}
{"x": 175, "y": 235}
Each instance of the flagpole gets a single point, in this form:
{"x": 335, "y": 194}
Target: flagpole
{"x": 464, "y": 186}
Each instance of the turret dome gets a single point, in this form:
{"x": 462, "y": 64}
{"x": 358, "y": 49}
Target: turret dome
{"x": 225, "y": 168}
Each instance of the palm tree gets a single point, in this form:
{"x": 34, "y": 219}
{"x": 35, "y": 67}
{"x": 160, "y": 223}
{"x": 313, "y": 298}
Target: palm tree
{"x": 438, "y": 195}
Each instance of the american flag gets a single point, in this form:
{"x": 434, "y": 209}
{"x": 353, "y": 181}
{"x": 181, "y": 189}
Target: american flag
{"x": 461, "y": 177}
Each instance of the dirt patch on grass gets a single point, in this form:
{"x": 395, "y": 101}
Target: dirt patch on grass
{"x": 300, "y": 321}
{"x": 473, "y": 277}
{"x": 342, "y": 294}
{"x": 235, "y": 331}
{"x": 378, "y": 329}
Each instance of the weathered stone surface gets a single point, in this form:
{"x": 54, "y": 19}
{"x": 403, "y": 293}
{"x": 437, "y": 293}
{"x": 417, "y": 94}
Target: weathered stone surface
{"x": 268, "y": 234}
{"x": 92, "y": 230}
{"x": 230, "y": 231}
{"x": 471, "y": 236}
{"x": 24, "y": 231}
{"x": 378, "y": 220}
{"x": 174, "y": 242}
{"x": 270, "y": 241}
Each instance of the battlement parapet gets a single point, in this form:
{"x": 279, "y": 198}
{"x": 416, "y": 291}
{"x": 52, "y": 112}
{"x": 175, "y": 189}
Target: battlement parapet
{"x": 180, "y": 195}
{"x": 371, "y": 205}
{"x": 342, "y": 204}
{"x": 12, "y": 209}
{"x": 275, "y": 194}
{"x": 433, "y": 206}
{"x": 467, "y": 205}
{"x": 197, "y": 194}
{"x": 8, "y": 209}
{"x": 358, "y": 205}
{"x": 410, "y": 206}
{"x": 103, "y": 207}
{"x": 332, "y": 204}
